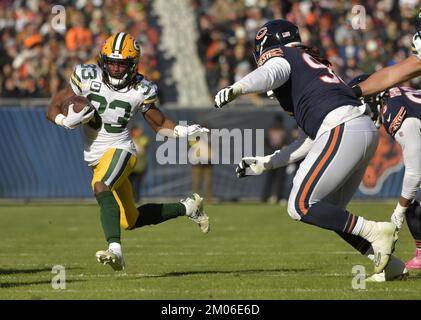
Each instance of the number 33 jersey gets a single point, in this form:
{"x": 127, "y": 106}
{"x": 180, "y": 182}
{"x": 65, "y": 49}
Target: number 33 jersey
{"x": 114, "y": 110}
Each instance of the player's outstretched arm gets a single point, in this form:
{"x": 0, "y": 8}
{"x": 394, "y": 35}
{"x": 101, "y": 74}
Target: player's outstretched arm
{"x": 56, "y": 101}
{"x": 409, "y": 139}
{"x": 297, "y": 150}
{"x": 166, "y": 127}
{"x": 390, "y": 76}
{"x": 273, "y": 74}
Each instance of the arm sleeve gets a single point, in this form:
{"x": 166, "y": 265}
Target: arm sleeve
{"x": 273, "y": 74}
{"x": 409, "y": 137}
{"x": 76, "y": 82}
{"x": 293, "y": 152}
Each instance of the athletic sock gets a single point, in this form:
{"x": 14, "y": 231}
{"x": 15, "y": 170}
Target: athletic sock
{"x": 115, "y": 247}
{"x": 413, "y": 219}
{"x": 155, "y": 213}
{"x": 418, "y": 250}
{"x": 328, "y": 216}
{"x": 368, "y": 230}
{"x": 359, "y": 243}
{"x": 110, "y": 216}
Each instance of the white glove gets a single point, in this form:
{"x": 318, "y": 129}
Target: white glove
{"x": 253, "y": 166}
{"x": 226, "y": 95}
{"x": 398, "y": 216}
{"x": 73, "y": 119}
{"x": 416, "y": 44}
{"x": 195, "y": 129}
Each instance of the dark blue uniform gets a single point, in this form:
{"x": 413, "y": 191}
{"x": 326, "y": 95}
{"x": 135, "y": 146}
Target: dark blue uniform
{"x": 401, "y": 103}
{"x": 312, "y": 91}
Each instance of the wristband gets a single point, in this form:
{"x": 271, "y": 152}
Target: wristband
{"x": 357, "y": 90}
{"x": 180, "y": 131}
{"x": 59, "y": 119}
{"x": 400, "y": 209}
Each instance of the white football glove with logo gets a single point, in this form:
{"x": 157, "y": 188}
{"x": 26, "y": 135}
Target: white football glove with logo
{"x": 226, "y": 95}
{"x": 73, "y": 119}
{"x": 253, "y": 166}
{"x": 195, "y": 129}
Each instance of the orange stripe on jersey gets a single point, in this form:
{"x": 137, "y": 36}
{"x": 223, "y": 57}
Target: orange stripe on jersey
{"x": 319, "y": 167}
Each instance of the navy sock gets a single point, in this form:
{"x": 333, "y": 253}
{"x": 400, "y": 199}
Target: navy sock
{"x": 328, "y": 216}
{"x": 413, "y": 219}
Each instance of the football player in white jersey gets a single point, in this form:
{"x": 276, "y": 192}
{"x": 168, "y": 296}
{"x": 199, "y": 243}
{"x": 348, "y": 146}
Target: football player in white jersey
{"x": 391, "y": 76}
{"x": 116, "y": 92}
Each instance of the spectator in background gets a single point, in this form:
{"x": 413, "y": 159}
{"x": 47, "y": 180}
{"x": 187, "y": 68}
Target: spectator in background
{"x": 273, "y": 189}
{"x": 323, "y": 24}
{"x": 79, "y": 36}
{"x": 226, "y": 31}
{"x": 44, "y": 56}
{"x": 141, "y": 142}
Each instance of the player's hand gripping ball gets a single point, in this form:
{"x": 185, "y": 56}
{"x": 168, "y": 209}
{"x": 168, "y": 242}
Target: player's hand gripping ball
{"x": 78, "y": 110}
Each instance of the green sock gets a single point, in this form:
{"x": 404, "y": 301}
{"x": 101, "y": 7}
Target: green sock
{"x": 110, "y": 216}
{"x": 154, "y": 213}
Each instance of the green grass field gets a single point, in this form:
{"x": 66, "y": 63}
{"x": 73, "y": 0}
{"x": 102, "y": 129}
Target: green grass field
{"x": 253, "y": 251}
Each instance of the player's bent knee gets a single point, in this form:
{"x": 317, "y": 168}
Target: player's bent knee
{"x": 291, "y": 209}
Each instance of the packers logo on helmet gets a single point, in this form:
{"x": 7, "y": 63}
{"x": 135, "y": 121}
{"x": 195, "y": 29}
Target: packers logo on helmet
{"x": 118, "y": 60}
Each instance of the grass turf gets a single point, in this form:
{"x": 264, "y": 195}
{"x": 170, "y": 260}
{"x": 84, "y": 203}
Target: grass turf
{"x": 254, "y": 251}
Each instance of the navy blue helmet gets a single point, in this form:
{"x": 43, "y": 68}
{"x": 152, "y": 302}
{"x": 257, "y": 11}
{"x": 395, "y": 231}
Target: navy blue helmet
{"x": 275, "y": 33}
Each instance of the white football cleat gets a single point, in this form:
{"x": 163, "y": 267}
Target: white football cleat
{"x": 194, "y": 210}
{"x": 385, "y": 237}
{"x": 395, "y": 270}
{"x": 115, "y": 260}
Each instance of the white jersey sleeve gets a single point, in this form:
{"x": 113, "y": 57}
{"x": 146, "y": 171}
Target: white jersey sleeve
{"x": 271, "y": 75}
{"x": 294, "y": 152}
{"x": 416, "y": 44}
{"x": 150, "y": 92}
{"x": 80, "y": 74}
{"x": 409, "y": 137}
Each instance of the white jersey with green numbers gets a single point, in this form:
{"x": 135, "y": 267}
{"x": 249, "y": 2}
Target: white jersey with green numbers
{"x": 114, "y": 110}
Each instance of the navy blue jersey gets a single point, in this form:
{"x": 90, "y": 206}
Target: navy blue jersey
{"x": 401, "y": 103}
{"x": 312, "y": 91}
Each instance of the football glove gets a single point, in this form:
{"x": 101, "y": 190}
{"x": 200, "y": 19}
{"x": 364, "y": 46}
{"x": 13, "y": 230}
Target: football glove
{"x": 73, "y": 119}
{"x": 253, "y": 166}
{"x": 398, "y": 216}
{"x": 226, "y": 95}
{"x": 195, "y": 129}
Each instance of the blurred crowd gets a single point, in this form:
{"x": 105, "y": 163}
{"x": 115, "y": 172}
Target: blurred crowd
{"x": 39, "y": 48}
{"x": 228, "y": 27}
{"x": 37, "y": 57}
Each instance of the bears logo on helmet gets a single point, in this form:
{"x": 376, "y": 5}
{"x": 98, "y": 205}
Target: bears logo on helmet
{"x": 274, "y": 34}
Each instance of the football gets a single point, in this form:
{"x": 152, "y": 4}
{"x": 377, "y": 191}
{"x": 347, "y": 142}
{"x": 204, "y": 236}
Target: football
{"x": 79, "y": 103}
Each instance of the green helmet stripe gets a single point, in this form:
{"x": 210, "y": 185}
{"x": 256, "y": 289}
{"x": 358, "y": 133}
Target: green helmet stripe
{"x": 120, "y": 49}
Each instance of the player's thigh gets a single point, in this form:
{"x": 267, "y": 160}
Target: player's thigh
{"x": 344, "y": 194}
{"x": 113, "y": 168}
{"x": 128, "y": 211}
{"x": 334, "y": 158}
